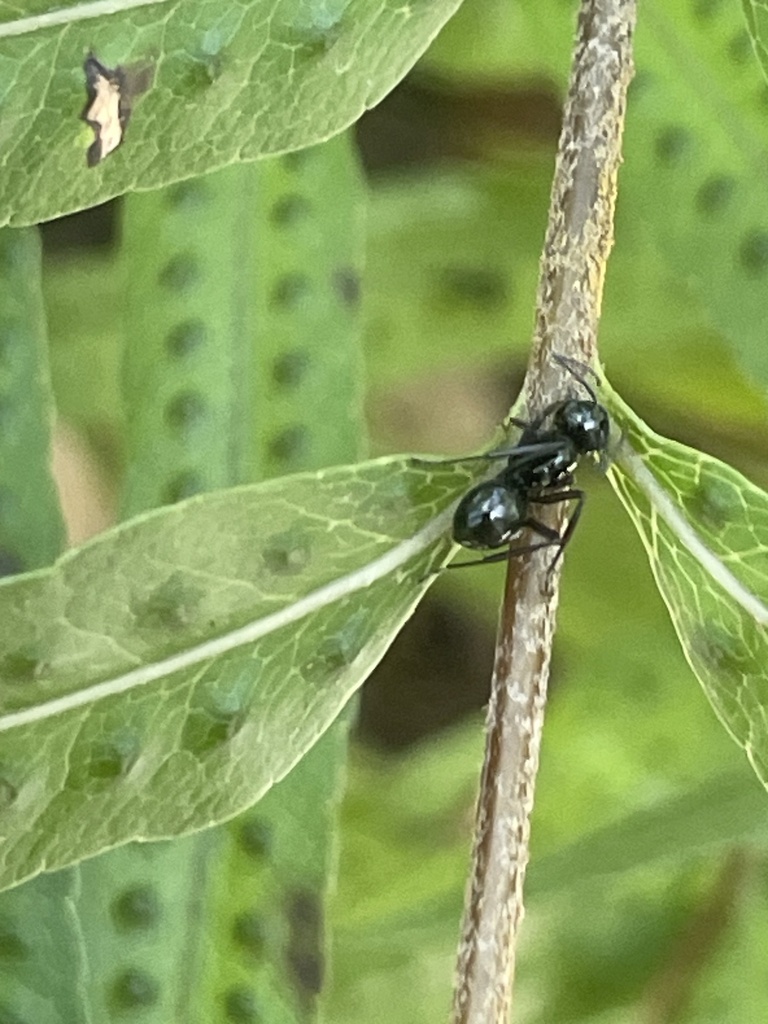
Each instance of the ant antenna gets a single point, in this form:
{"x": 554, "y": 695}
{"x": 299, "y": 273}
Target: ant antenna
{"x": 578, "y": 370}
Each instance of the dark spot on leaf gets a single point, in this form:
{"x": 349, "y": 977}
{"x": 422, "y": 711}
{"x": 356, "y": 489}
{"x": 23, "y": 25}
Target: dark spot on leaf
{"x": 171, "y": 606}
{"x": 740, "y": 47}
{"x": 134, "y": 989}
{"x": 188, "y": 77}
{"x": 185, "y": 411}
{"x": 219, "y": 720}
{"x": 10, "y": 563}
{"x": 11, "y": 339}
{"x": 335, "y": 652}
{"x": 640, "y": 84}
{"x": 713, "y": 196}
{"x": 136, "y": 909}
{"x": 721, "y": 653}
{"x": 185, "y": 338}
{"x": 8, "y": 792}
{"x": 248, "y": 932}
{"x": 290, "y": 209}
{"x": 256, "y": 838}
{"x": 480, "y": 287}
{"x": 304, "y": 955}
{"x": 753, "y": 253}
{"x": 308, "y": 41}
{"x": 240, "y": 1006}
{"x": 290, "y": 290}
{"x": 9, "y": 1016}
{"x": 101, "y": 763}
{"x": 672, "y": 144}
{"x": 12, "y": 947}
{"x": 180, "y": 273}
{"x": 20, "y": 667}
{"x": 329, "y": 659}
{"x": 188, "y": 195}
{"x": 715, "y": 504}
{"x": 290, "y": 444}
{"x": 346, "y": 283}
{"x": 12, "y": 254}
{"x": 704, "y": 9}
{"x": 288, "y": 369}
{"x": 182, "y": 486}
{"x": 298, "y": 159}
{"x": 287, "y": 553}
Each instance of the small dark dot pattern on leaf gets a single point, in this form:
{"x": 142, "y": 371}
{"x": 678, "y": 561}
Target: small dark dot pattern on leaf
{"x": 248, "y": 932}
{"x": 304, "y": 951}
{"x": 10, "y": 563}
{"x": 256, "y": 838}
{"x": 753, "y": 253}
{"x": 346, "y": 284}
{"x": 9, "y": 1016}
{"x": 133, "y": 989}
{"x": 13, "y": 948}
{"x": 290, "y": 368}
{"x": 185, "y": 411}
{"x": 182, "y": 486}
{"x": 185, "y": 338}
{"x": 289, "y": 210}
{"x": 290, "y": 290}
{"x": 671, "y": 145}
{"x": 104, "y": 762}
{"x": 187, "y": 195}
{"x": 290, "y": 444}
{"x": 181, "y": 273}
{"x": 287, "y": 553}
{"x": 136, "y": 909}
{"x": 8, "y": 792}
{"x": 713, "y": 196}
{"x": 240, "y": 1006}
{"x": 474, "y": 286}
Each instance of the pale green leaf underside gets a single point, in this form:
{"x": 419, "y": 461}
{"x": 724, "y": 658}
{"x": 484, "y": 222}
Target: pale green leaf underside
{"x": 160, "y": 678}
{"x": 705, "y": 529}
{"x": 231, "y": 81}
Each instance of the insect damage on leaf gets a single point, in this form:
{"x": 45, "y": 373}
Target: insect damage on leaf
{"x": 108, "y": 109}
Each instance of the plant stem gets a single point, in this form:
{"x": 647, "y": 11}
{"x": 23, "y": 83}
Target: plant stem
{"x": 576, "y": 248}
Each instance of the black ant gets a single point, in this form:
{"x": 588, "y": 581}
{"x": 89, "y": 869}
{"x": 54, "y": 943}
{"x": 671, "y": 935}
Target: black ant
{"x": 540, "y": 471}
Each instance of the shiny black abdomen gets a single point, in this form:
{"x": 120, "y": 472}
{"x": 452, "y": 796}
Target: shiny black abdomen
{"x": 489, "y": 515}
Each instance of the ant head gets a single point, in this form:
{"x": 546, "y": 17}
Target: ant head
{"x": 586, "y": 423}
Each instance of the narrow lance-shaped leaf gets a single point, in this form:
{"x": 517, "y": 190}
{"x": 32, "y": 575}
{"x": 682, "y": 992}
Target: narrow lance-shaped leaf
{"x": 206, "y": 84}
{"x": 161, "y": 678}
{"x": 256, "y": 368}
{"x": 42, "y": 969}
{"x": 705, "y": 529}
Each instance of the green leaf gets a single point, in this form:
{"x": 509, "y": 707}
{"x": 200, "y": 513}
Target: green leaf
{"x": 244, "y": 295}
{"x": 694, "y": 168}
{"x": 131, "y": 708}
{"x": 229, "y": 81}
{"x": 42, "y": 967}
{"x": 31, "y": 528}
{"x": 214, "y": 381}
{"x": 705, "y": 530}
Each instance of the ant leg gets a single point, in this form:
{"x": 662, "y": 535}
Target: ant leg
{"x": 503, "y": 556}
{"x": 552, "y": 499}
